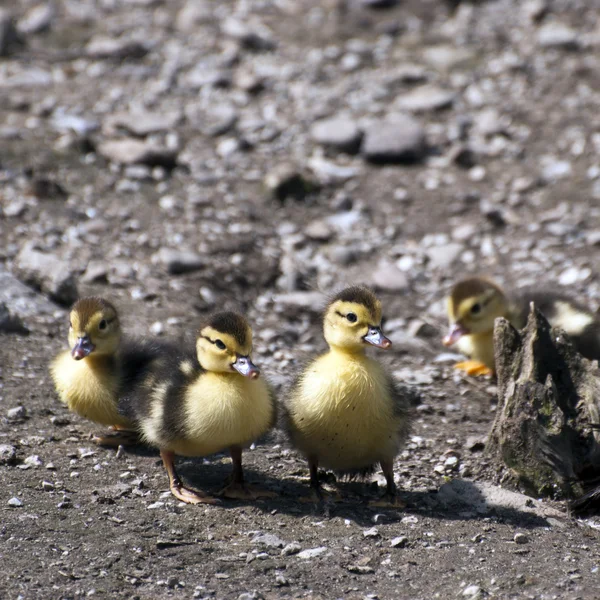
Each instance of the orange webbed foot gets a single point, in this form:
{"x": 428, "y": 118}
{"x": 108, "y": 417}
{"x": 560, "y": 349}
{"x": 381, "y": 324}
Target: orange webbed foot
{"x": 473, "y": 368}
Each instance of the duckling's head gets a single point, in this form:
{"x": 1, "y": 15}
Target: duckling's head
{"x": 353, "y": 319}
{"x": 93, "y": 328}
{"x": 473, "y": 306}
{"x": 224, "y": 345}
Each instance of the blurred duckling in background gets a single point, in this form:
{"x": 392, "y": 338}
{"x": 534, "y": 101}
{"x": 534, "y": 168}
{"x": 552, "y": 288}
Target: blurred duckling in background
{"x": 344, "y": 412}
{"x": 198, "y": 407}
{"x": 475, "y": 303}
{"x": 98, "y": 368}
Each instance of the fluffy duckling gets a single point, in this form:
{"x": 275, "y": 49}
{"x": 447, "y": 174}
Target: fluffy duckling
{"x": 475, "y": 303}
{"x": 98, "y": 367}
{"x": 198, "y": 407}
{"x": 344, "y": 412}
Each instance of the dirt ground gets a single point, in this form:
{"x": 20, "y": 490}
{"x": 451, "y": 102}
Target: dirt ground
{"x": 222, "y": 98}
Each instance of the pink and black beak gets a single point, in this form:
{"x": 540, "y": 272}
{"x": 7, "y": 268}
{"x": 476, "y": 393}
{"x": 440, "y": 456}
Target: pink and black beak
{"x": 376, "y": 338}
{"x": 82, "y": 348}
{"x": 455, "y": 333}
{"x": 244, "y": 366}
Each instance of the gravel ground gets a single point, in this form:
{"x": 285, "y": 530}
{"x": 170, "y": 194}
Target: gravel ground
{"x": 178, "y": 157}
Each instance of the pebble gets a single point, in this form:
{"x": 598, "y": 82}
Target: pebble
{"x": 106, "y": 47}
{"x": 557, "y": 35}
{"x": 312, "y": 552}
{"x": 373, "y": 532}
{"x": 520, "y": 538}
{"x": 253, "y": 36}
{"x": 15, "y": 503}
{"x": 17, "y": 413}
{"x": 441, "y": 257}
{"x": 319, "y": 231}
{"x": 399, "y": 542}
{"x": 36, "y": 19}
{"x": 8, "y": 454}
{"x": 554, "y": 169}
{"x": 426, "y": 98}
{"x": 48, "y": 273}
{"x": 177, "y": 262}
{"x": 143, "y": 123}
{"x": 33, "y": 461}
{"x": 269, "y": 540}
{"x": 397, "y": 139}
{"x": 47, "y": 486}
{"x": 389, "y": 278}
{"x": 472, "y": 590}
{"x": 291, "y": 549}
{"x": 338, "y": 133}
{"x": 131, "y": 151}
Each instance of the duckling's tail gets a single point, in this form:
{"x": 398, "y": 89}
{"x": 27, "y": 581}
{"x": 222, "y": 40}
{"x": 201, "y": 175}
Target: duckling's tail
{"x": 356, "y": 474}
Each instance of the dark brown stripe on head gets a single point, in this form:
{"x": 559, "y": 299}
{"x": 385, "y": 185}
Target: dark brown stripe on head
{"x": 358, "y": 294}
{"x": 468, "y": 288}
{"x": 86, "y": 308}
{"x": 231, "y": 323}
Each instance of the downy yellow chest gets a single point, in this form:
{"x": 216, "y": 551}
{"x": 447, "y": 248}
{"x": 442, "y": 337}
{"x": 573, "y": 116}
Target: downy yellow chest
{"x": 343, "y": 412}
{"x": 479, "y": 347}
{"x": 223, "y": 410}
{"x": 89, "y": 388}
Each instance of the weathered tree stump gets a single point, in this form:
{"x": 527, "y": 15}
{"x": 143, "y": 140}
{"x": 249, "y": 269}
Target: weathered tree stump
{"x": 547, "y": 427}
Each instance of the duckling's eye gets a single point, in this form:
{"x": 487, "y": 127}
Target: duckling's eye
{"x": 102, "y": 324}
{"x": 220, "y": 345}
{"x": 476, "y": 309}
{"x": 352, "y": 317}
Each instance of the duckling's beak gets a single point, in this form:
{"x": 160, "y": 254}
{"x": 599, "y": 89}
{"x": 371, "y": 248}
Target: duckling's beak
{"x": 455, "y": 333}
{"x": 376, "y": 338}
{"x": 244, "y": 366}
{"x": 82, "y": 348}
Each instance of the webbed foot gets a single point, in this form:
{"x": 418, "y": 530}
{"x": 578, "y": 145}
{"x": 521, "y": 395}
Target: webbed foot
{"x": 473, "y": 368}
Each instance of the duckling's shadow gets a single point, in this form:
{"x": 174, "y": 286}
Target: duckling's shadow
{"x": 210, "y": 475}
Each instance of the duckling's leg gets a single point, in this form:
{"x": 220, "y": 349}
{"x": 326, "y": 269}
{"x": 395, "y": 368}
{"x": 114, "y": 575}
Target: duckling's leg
{"x": 389, "y": 498}
{"x": 473, "y": 367}
{"x": 177, "y": 488}
{"x": 236, "y": 488}
{"x": 120, "y": 437}
{"x": 317, "y": 494}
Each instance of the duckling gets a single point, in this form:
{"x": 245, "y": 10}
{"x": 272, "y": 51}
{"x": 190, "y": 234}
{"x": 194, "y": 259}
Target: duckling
{"x": 345, "y": 412}
{"x": 475, "y": 303}
{"x": 98, "y": 368}
{"x": 199, "y": 405}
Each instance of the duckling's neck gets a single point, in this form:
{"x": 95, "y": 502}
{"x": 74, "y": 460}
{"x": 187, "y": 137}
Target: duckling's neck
{"x": 346, "y": 352}
{"x": 100, "y": 361}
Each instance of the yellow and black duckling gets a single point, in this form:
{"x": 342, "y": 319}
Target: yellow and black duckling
{"x": 99, "y": 367}
{"x": 344, "y": 412}
{"x": 475, "y": 303}
{"x": 196, "y": 407}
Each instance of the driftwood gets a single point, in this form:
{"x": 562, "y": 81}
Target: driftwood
{"x": 547, "y": 427}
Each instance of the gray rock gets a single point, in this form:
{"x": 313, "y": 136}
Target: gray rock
{"x": 554, "y": 169}
{"x": 426, "y": 98}
{"x": 48, "y": 273}
{"x": 441, "y": 257}
{"x": 10, "y": 323}
{"x": 328, "y": 172}
{"x": 96, "y": 271}
{"x": 15, "y": 503}
{"x": 291, "y": 549}
{"x": 312, "y": 553}
{"x": 520, "y": 538}
{"x": 445, "y": 57}
{"x": 318, "y": 231}
{"x": 21, "y": 300}
{"x": 287, "y": 181}
{"x": 557, "y": 35}
{"x": 130, "y": 151}
{"x": 202, "y": 75}
{"x": 389, "y": 278}
{"x": 10, "y": 40}
{"x": 534, "y": 10}
{"x": 8, "y": 454}
{"x": 215, "y": 121}
{"x": 194, "y": 13}
{"x": 338, "y": 133}
{"x": 372, "y": 532}
{"x": 472, "y": 591}
{"x": 177, "y": 262}
{"x": 18, "y": 413}
{"x": 397, "y": 139}
{"x": 253, "y": 36}
{"x": 117, "y": 49}
{"x": 308, "y": 300}
{"x": 269, "y": 540}
{"x": 37, "y": 19}
{"x": 144, "y": 123}
{"x": 399, "y": 542}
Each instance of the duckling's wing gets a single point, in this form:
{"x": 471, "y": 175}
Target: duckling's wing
{"x": 580, "y": 324}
